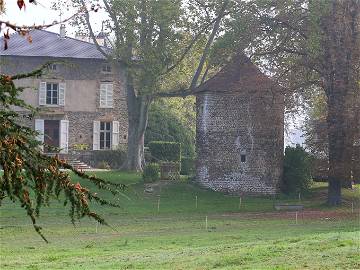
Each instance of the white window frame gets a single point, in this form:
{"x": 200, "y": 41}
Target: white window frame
{"x": 106, "y": 95}
{"x": 52, "y": 94}
{"x": 60, "y": 94}
{"x": 105, "y": 131}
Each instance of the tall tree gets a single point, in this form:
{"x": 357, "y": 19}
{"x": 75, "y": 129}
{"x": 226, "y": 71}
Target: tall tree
{"x": 340, "y": 75}
{"x": 151, "y": 40}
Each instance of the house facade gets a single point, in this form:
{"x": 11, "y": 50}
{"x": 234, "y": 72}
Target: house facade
{"x": 81, "y": 96}
{"x": 240, "y": 131}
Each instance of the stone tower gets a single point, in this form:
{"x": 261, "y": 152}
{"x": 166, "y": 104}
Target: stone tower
{"x": 240, "y": 130}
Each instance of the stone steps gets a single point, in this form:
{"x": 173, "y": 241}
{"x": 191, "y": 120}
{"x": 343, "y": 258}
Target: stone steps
{"x": 77, "y": 164}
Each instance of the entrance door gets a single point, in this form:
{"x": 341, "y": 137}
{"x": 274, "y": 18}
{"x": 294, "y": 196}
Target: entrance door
{"x": 51, "y": 134}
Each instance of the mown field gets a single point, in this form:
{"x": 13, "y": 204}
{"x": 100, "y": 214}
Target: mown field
{"x": 167, "y": 230}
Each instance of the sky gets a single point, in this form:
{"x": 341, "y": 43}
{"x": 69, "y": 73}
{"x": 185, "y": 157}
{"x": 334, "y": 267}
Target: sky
{"x": 33, "y": 14}
{"x": 42, "y": 13}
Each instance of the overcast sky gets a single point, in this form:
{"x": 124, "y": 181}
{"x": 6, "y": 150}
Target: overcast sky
{"x": 42, "y": 13}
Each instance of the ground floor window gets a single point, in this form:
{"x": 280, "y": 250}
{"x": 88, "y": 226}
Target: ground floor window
{"x": 105, "y": 135}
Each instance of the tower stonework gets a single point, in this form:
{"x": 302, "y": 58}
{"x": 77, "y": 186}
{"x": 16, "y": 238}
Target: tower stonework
{"x": 240, "y": 130}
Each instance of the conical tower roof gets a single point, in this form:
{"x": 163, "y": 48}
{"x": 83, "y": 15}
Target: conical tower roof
{"x": 239, "y": 75}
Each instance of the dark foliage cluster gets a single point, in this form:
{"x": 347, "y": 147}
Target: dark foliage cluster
{"x": 31, "y": 178}
{"x": 165, "y": 151}
{"x": 151, "y": 172}
{"x": 297, "y": 170}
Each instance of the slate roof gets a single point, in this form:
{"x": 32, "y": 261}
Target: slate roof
{"x": 238, "y": 75}
{"x": 45, "y": 43}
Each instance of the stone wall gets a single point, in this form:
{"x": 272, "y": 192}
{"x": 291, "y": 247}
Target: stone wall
{"x": 232, "y": 125}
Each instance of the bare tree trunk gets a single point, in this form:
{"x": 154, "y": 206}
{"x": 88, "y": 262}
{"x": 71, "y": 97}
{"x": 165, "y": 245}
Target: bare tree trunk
{"x": 138, "y": 110}
{"x": 340, "y": 149}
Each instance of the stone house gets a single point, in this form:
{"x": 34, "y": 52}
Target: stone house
{"x": 81, "y": 97}
{"x": 240, "y": 130}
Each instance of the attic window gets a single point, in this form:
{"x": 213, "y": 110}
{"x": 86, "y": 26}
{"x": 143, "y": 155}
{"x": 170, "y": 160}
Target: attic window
{"x": 53, "y": 67}
{"x": 243, "y": 158}
{"x": 106, "y": 69}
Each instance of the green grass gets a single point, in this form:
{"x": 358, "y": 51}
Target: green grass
{"x": 176, "y": 238}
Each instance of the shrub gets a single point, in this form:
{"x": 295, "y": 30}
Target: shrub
{"x": 187, "y": 166}
{"x": 151, "y": 172}
{"x": 103, "y": 165}
{"x": 297, "y": 170}
{"x": 170, "y": 170}
{"x": 80, "y": 146}
{"x": 165, "y": 151}
{"x": 114, "y": 158}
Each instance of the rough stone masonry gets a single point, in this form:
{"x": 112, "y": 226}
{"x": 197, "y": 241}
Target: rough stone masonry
{"x": 240, "y": 130}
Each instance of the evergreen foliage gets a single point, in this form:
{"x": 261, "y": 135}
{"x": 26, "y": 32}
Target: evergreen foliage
{"x": 297, "y": 170}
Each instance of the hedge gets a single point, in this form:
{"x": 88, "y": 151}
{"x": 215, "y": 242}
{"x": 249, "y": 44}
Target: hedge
{"x": 165, "y": 151}
{"x": 151, "y": 173}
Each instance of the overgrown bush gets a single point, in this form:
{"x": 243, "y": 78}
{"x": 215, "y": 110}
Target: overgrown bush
{"x": 151, "y": 173}
{"x": 173, "y": 120}
{"x": 165, "y": 151}
{"x": 297, "y": 170}
{"x": 187, "y": 166}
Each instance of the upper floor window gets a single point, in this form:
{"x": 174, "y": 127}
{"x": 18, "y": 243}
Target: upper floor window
{"x": 51, "y": 93}
{"x": 106, "y": 68}
{"x": 106, "y": 95}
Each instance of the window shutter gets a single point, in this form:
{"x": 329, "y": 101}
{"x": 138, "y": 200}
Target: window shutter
{"x": 39, "y": 127}
{"x": 109, "y": 95}
{"x": 62, "y": 87}
{"x": 64, "y": 136}
{"x": 115, "y": 135}
{"x": 96, "y": 135}
{"x": 102, "y": 95}
{"x": 42, "y": 93}
{"x": 106, "y": 95}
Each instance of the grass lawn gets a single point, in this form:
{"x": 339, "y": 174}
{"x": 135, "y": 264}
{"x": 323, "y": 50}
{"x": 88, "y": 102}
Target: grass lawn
{"x": 176, "y": 237}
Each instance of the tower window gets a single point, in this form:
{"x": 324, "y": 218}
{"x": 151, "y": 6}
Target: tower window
{"x": 243, "y": 158}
